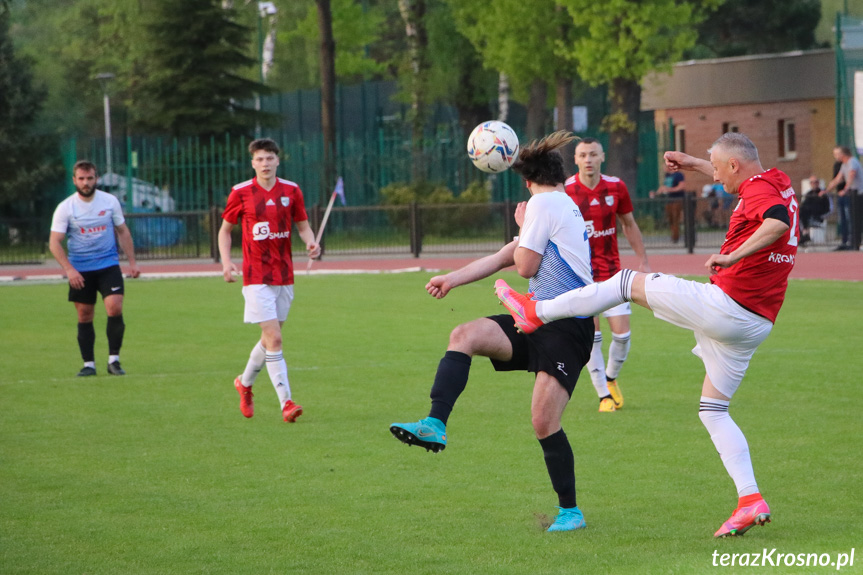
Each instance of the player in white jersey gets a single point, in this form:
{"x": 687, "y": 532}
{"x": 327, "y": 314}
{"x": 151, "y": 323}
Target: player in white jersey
{"x": 87, "y": 220}
{"x": 553, "y": 251}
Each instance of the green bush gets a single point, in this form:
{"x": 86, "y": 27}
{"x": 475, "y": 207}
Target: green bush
{"x": 441, "y": 222}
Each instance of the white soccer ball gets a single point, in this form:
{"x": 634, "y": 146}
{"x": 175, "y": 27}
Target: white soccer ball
{"x": 492, "y": 146}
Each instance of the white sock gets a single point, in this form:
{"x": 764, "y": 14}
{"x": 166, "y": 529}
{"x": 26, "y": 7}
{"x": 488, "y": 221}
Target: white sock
{"x": 730, "y": 443}
{"x": 90, "y": 364}
{"x": 254, "y": 365}
{"x": 113, "y": 358}
{"x": 278, "y": 370}
{"x": 589, "y": 300}
{"x": 596, "y": 366}
{"x": 617, "y": 352}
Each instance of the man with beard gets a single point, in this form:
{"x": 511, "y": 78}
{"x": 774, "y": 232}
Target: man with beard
{"x": 87, "y": 220}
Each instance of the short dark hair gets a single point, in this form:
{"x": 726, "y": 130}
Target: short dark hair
{"x": 540, "y": 161}
{"x": 846, "y": 151}
{"x": 265, "y": 144}
{"x": 85, "y": 165}
{"x": 588, "y": 141}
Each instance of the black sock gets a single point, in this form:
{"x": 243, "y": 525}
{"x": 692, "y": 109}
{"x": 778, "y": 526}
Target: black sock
{"x": 87, "y": 340}
{"x": 115, "y": 330}
{"x": 561, "y": 467}
{"x": 449, "y": 381}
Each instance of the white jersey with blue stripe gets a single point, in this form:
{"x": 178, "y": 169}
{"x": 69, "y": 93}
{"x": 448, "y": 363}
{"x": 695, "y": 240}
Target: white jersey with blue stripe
{"x": 89, "y": 229}
{"x": 554, "y": 227}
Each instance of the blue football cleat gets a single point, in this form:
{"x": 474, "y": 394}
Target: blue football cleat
{"x": 429, "y": 433}
{"x": 568, "y": 520}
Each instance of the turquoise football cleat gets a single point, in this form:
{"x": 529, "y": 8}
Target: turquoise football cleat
{"x": 568, "y": 520}
{"x": 429, "y": 433}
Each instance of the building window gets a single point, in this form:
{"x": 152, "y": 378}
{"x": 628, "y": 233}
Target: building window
{"x": 680, "y": 138}
{"x": 787, "y": 140}
{"x": 729, "y": 127}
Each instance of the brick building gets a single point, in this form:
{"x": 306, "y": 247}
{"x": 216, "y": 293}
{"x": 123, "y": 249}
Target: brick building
{"x": 786, "y": 103}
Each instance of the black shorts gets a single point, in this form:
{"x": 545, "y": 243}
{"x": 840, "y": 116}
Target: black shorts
{"x": 560, "y": 348}
{"x": 107, "y": 281}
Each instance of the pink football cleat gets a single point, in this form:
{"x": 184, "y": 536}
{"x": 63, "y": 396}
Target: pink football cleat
{"x": 521, "y": 307}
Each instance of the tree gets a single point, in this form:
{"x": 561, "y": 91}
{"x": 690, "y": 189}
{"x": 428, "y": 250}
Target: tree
{"x": 357, "y": 30}
{"x": 616, "y": 44}
{"x": 328, "y": 92}
{"x": 518, "y": 39}
{"x": 743, "y": 27}
{"x": 413, "y": 14}
{"x": 194, "y": 83}
{"x": 26, "y": 161}
{"x": 71, "y": 43}
{"x": 456, "y": 72}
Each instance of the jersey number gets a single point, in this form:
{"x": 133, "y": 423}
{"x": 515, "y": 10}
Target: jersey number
{"x": 792, "y": 239}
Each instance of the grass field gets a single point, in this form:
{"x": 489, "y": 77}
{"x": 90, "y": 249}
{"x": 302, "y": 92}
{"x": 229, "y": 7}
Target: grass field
{"x": 158, "y": 472}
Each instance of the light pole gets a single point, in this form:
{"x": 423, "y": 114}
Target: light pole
{"x": 104, "y": 79}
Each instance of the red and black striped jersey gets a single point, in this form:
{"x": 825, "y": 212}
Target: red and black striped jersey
{"x": 266, "y": 218}
{"x": 600, "y": 208}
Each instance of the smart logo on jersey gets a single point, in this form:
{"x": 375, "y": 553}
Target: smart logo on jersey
{"x": 102, "y": 213}
{"x": 286, "y": 201}
{"x": 609, "y": 200}
{"x": 593, "y": 233}
{"x": 261, "y": 231}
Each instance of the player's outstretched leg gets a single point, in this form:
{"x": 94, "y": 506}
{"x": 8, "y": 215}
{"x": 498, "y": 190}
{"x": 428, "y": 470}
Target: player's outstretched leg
{"x": 429, "y": 433}
{"x": 568, "y": 520}
{"x": 751, "y": 510}
{"x": 582, "y": 302}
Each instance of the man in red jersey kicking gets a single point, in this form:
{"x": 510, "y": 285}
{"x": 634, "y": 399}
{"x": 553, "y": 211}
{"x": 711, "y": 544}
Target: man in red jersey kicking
{"x": 604, "y": 200}
{"x": 730, "y": 316}
{"x": 267, "y": 206}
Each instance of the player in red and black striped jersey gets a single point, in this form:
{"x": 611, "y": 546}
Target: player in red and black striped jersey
{"x": 266, "y": 207}
{"x": 604, "y": 200}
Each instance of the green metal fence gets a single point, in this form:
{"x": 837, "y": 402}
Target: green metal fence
{"x": 373, "y": 231}
{"x": 197, "y": 174}
{"x": 849, "y": 59}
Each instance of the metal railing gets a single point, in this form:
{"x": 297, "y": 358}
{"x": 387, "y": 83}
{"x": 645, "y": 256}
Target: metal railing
{"x": 409, "y": 230}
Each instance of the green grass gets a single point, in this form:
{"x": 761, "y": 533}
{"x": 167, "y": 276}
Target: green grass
{"x": 158, "y": 472}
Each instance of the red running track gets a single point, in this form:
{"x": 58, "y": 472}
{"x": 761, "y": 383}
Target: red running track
{"x": 846, "y": 266}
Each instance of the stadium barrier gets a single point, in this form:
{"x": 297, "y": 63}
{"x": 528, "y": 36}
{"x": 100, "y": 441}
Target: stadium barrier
{"x": 383, "y": 231}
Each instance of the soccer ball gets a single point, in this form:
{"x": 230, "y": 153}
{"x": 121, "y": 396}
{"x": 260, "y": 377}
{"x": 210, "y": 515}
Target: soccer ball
{"x": 492, "y": 146}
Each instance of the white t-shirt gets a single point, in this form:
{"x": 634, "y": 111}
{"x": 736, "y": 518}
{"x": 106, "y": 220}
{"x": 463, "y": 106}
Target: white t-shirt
{"x": 89, "y": 229}
{"x": 554, "y": 227}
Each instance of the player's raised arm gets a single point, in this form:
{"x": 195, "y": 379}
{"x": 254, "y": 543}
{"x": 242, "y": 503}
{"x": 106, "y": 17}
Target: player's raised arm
{"x": 680, "y": 162}
{"x": 479, "y": 269}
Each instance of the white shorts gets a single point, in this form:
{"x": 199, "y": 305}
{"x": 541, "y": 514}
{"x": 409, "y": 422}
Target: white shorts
{"x": 726, "y": 334}
{"x": 265, "y": 302}
{"x": 622, "y": 309}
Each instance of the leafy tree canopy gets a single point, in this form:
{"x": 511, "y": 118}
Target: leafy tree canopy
{"x": 25, "y": 158}
{"x": 744, "y": 27}
{"x": 356, "y": 27}
{"x": 626, "y": 39}
{"x": 194, "y": 63}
